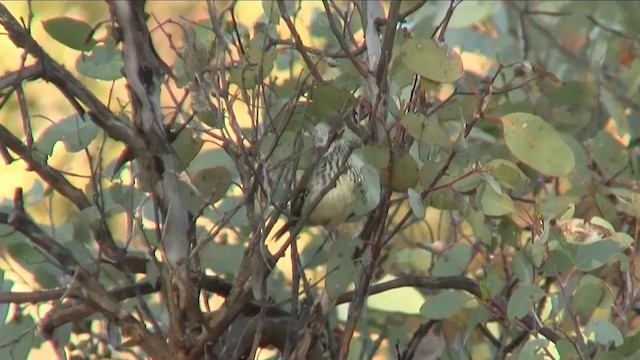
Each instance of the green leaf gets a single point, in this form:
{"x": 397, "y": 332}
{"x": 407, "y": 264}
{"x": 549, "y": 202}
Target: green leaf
{"x": 531, "y": 348}
{"x": 71, "y": 32}
{"x": 494, "y": 204}
{"x": 329, "y": 101}
{"x": 426, "y": 131}
{"x": 62, "y": 334}
{"x": 588, "y": 295}
{"x": 609, "y": 355}
{"x": 340, "y": 267}
{"x": 371, "y": 182}
{"x": 478, "y": 315}
{"x": 415, "y": 202}
{"x": 388, "y": 301}
{"x": 537, "y": 144}
{"x": 19, "y": 335}
{"x": 405, "y": 173}
{"x": 224, "y": 209}
{"x": 126, "y": 196}
{"x": 631, "y": 345}
{"x": 609, "y": 154}
{"x": 454, "y": 261}
{"x": 509, "y": 232}
{"x": 480, "y": 229}
{"x": 153, "y": 272}
{"x": 212, "y": 183}
{"x": 522, "y": 300}
{"x": 186, "y": 146}
{"x": 444, "y": 304}
{"x": 75, "y": 132}
{"x": 595, "y": 255}
{"x": 5, "y": 285}
{"x": 104, "y": 63}
{"x": 470, "y": 13}
{"x": 222, "y": 259}
{"x": 431, "y": 61}
{"x": 604, "y": 331}
{"x": 212, "y": 158}
{"x": 508, "y": 174}
{"x": 567, "y": 350}
{"x": 522, "y": 268}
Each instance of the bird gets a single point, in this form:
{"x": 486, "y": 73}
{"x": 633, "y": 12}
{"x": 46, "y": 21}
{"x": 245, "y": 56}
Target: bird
{"x": 334, "y": 188}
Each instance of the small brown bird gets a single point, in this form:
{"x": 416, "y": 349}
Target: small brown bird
{"x": 345, "y": 182}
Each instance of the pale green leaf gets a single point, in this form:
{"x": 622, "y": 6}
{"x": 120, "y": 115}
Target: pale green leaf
{"x": 454, "y": 261}
{"x": 340, "y": 267}
{"x": 212, "y": 183}
{"x": 494, "y": 204}
{"x": 522, "y": 301}
{"x": 444, "y": 304}
{"x": 604, "y": 331}
{"x": 415, "y": 202}
{"x": 537, "y": 144}
{"x": 431, "y": 61}
{"x": 426, "y": 131}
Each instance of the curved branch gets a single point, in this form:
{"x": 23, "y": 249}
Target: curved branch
{"x": 458, "y": 283}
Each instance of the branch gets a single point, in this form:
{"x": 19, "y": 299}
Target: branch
{"x": 145, "y": 71}
{"x": 71, "y": 87}
{"x": 21, "y": 221}
{"x": 458, "y": 283}
{"x": 30, "y": 72}
{"x": 298, "y": 42}
{"x": 341, "y": 41}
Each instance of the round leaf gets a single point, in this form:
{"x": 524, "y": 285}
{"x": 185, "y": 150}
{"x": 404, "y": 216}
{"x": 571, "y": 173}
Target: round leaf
{"x": 444, "y": 304}
{"x": 537, "y": 144}
{"x": 431, "y": 61}
{"x": 186, "y": 146}
{"x": 104, "y": 63}
{"x": 405, "y": 174}
{"x": 389, "y": 300}
{"x": 605, "y": 332}
{"x": 71, "y": 32}
{"x": 212, "y": 183}
{"x": 74, "y": 131}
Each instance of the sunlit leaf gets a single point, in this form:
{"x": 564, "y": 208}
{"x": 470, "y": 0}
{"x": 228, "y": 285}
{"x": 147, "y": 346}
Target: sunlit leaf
{"x": 75, "y": 132}
{"x": 388, "y": 300}
{"x": 71, "y": 32}
{"x": 537, "y": 144}
{"x": 604, "y": 331}
{"x": 103, "y": 63}
{"x": 431, "y": 61}
{"x": 446, "y": 303}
